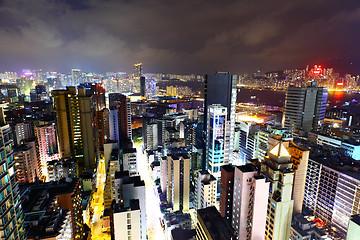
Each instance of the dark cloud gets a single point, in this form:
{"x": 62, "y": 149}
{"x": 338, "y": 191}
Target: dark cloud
{"x": 176, "y": 36}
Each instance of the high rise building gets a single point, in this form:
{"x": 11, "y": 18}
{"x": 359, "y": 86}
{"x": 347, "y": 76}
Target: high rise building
{"x": 151, "y": 136}
{"x": 250, "y": 200}
{"x": 221, "y": 88}
{"x": 120, "y": 118}
{"x": 138, "y": 71}
{"x": 277, "y": 168}
{"x": 247, "y": 141}
{"x": 227, "y": 191}
{"x": 142, "y": 87}
{"x": 129, "y": 161}
{"x": 47, "y": 146}
{"x": 22, "y": 131}
{"x": 215, "y": 144}
{"x": 205, "y": 189}
{"x": 27, "y": 166}
{"x": 102, "y": 126}
{"x": 11, "y": 224}
{"x": 177, "y": 177}
{"x": 127, "y": 221}
{"x": 128, "y": 188}
{"x": 97, "y": 92}
{"x": 150, "y": 88}
{"x": 74, "y": 118}
{"x": 305, "y": 108}
{"x": 75, "y": 77}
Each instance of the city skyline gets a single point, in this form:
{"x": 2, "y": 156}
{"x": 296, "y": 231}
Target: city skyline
{"x": 177, "y": 37}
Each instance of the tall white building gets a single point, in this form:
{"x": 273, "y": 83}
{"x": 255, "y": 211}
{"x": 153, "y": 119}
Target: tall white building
{"x": 127, "y": 221}
{"x": 152, "y": 136}
{"x": 205, "y": 190}
{"x": 128, "y": 188}
{"x": 129, "y": 160}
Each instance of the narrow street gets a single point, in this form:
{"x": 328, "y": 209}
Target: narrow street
{"x": 97, "y": 203}
{"x": 154, "y": 229}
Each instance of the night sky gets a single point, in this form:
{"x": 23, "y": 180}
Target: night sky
{"x": 178, "y": 36}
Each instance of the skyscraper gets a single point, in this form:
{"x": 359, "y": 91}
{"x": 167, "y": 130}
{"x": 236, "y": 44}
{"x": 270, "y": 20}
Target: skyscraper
{"x": 215, "y": 143}
{"x": 120, "y": 118}
{"x": 138, "y": 71}
{"x": 277, "y": 169}
{"x": 142, "y": 87}
{"x": 227, "y": 191}
{"x": 249, "y": 203}
{"x": 74, "y": 118}
{"x": 305, "y": 107}
{"x": 75, "y": 76}
{"x": 47, "y": 146}
{"x": 178, "y": 181}
{"x": 11, "y": 224}
{"x": 221, "y": 89}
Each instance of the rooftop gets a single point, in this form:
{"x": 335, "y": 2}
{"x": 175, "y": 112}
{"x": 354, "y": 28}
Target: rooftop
{"x": 217, "y": 226}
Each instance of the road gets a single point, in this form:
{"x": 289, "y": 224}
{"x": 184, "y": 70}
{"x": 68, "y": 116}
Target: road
{"x": 97, "y": 203}
{"x": 154, "y": 229}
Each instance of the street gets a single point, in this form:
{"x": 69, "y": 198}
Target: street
{"x": 154, "y": 229}
{"x": 98, "y": 200}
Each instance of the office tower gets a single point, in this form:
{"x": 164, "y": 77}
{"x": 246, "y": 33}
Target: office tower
{"x": 142, "y": 87}
{"x": 249, "y": 203}
{"x": 305, "y": 108}
{"x": 75, "y": 77}
{"x": 227, "y": 191}
{"x": 128, "y": 188}
{"x": 22, "y": 131}
{"x": 11, "y": 225}
{"x": 205, "y": 189}
{"x": 178, "y": 181}
{"x": 127, "y": 223}
{"x": 26, "y": 164}
{"x": 102, "y": 126}
{"x": 353, "y": 231}
{"x": 277, "y": 168}
{"x": 129, "y": 161}
{"x": 215, "y": 144}
{"x": 120, "y": 120}
{"x": 74, "y": 118}
{"x": 47, "y": 146}
{"x": 211, "y": 226}
{"x": 138, "y": 71}
{"x": 221, "y": 88}
{"x": 247, "y": 141}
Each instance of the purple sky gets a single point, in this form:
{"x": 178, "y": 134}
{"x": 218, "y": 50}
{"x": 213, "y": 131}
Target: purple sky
{"x": 187, "y": 36}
